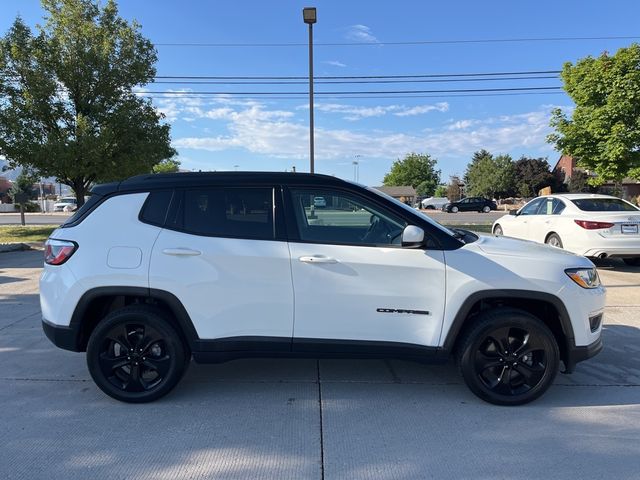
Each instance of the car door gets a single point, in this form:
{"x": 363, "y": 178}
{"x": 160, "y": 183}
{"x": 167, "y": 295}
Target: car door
{"x": 518, "y": 226}
{"x": 222, "y": 254}
{"x": 544, "y": 221}
{"x": 353, "y": 281}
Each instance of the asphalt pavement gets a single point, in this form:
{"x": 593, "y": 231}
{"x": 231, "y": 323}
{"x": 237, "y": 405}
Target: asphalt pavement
{"x": 310, "y": 419}
{"x": 34, "y": 218}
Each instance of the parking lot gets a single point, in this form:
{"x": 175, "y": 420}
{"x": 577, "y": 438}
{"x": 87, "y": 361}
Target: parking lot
{"x": 299, "y": 419}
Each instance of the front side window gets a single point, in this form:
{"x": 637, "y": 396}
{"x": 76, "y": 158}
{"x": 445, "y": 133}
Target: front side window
{"x": 344, "y": 219}
{"x": 229, "y": 212}
{"x": 531, "y": 208}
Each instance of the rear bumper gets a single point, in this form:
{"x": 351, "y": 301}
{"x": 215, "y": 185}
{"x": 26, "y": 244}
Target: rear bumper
{"x": 579, "y": 354}
{"x": 62, "y": 337}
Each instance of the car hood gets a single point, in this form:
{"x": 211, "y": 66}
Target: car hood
{"x": 505, "y": 246}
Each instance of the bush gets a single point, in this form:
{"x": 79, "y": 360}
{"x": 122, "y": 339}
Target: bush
{"x": 30, "y": 207}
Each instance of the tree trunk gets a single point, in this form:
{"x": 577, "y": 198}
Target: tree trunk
{"x": 79, "y": 189}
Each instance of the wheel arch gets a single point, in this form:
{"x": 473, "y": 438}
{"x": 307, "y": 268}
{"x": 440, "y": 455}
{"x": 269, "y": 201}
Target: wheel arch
{"x": 545, "y": 306}
{"x": 96, "y": 303}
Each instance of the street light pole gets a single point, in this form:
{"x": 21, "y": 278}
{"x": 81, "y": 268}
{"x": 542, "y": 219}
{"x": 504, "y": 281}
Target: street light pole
{"x": 309, "y": 16}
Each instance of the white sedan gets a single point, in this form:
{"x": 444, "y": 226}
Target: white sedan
{"x": 586, "y": 224}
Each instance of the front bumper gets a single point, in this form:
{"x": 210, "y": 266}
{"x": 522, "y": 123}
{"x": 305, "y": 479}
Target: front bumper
{"x": 62, "y": 337}
{"x": 575, "y": 354}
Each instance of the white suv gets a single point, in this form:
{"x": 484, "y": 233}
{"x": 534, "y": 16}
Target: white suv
{"x": 218, "y": 266}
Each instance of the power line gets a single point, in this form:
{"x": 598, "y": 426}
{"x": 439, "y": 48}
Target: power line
{"x": 410, "y": 42}
{"x": 357, "y": 77}
{"x": 334, "y": 82}
{"x": 363, "y": 92}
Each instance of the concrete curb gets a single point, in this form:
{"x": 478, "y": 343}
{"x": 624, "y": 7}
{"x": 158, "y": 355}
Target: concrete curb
{"x": 17, "y": 247}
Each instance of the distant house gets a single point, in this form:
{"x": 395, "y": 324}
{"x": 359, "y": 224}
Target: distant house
{"x": 404, "y": 193}
{"x": 5, "y": 185}
{"x": 566, "y": 167}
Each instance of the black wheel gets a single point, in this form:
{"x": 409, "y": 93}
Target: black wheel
{"x": 135, "y": 355}
{"x": 430, "y": 207}
{"x": 508, "y": 357}
{"x": 632, "y": 262}
{"x": 554, "y": 240}
{"x": 454, "y": 209}
{"x": 486, "y": 209}
{"x": 497, "y": 230}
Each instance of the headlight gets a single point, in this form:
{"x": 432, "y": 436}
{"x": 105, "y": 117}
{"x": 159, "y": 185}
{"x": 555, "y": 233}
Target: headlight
{"x": 585, "y": 277}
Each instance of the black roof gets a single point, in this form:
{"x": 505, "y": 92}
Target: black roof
{"x": 194, "y": 179}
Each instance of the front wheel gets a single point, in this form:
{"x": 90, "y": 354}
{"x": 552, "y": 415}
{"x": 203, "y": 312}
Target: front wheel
{"x": 508, "y": 357}
{"x": 454, "y": 209}
{"x": 135, "y": 355}
{"x": 497, "y": 230}
{"x": 486, "y": 209}
{"x": 632, "y": 262}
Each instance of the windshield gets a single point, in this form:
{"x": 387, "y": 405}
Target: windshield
{"x": 604, "y": 205}
{"x": 414, "y": 211}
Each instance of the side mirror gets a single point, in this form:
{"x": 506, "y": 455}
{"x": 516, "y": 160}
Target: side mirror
{"x": 412, "y": 236}
{"x": 513, "y": 212}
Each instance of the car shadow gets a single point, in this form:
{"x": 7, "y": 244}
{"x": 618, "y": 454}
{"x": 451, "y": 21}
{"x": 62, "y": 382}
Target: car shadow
{"x": 614, "y": 264}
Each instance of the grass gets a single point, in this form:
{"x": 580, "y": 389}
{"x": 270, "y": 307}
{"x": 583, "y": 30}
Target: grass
{"x": 478, "y": 228}
{"x": 29, "y": 233}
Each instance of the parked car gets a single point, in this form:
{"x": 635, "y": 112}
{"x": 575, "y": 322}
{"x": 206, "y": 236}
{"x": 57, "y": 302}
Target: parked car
{"x": 157, "y": 269}
{"x": 470, "y": 204}
{"x": 434, "y": 203}
{"x": 319, "y": 202}
{"x": 586, "y": 224}
{"x": 66, "y": 204}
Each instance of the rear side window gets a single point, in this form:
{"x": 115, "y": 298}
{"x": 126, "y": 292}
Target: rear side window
{"x": 604, "y": 205}
{"x": 84, "y": 210}
{"x": 155, "y": 208}
{"x": 229, "y": 212}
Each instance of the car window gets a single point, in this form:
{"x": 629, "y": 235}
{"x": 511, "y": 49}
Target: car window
{"x": 531, "y": 208}
{"x": 346, "y": 219}
{"x": 155, "y": 208}
{"x": 603, "y": 205}
{"x": 229, "y": 212}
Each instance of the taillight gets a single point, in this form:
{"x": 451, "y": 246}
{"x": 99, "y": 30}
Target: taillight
{"x": 56, "y": 252}
{"x": 588, "y": 225}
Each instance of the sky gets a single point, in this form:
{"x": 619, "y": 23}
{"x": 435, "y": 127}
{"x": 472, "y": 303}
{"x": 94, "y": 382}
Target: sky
{"x": 235, "y": 129}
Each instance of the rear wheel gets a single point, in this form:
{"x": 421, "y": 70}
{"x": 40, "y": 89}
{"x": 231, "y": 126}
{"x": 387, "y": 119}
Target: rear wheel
{"x": 508, "y": 357}
{"x": 554, "y": 240}
{"x": 497, "y": 230}
{"x": 135, "y": 355}
{"x": 632, "y": 262}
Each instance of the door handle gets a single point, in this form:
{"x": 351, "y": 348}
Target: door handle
{"x": 185, "y": 252}
{"x": 317, "y": 259}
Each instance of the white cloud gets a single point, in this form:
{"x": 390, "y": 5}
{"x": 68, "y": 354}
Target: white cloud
{"x": 420, "y": 109}
{"x": 353, "y": 112}
{"x": 361, "y": 33}
{"x": 274, "y": 133}
{"x": 335, "y": 63}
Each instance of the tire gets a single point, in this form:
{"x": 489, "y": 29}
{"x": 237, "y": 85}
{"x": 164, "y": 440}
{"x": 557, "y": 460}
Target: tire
{"x": 136, "y": 376}
{"x": 554, "y": 240}
{"x": 497, "y": 230}
{"x": 486, "y": 209}
{"x": 516, "y": 377}
{"x": 430, "y": 207}
{"x": 632, "y": 262}
{"x": 454, "y": 209}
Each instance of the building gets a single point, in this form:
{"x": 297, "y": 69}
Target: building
{"x": 566, "y": 166}
{"x": 405, "y": 193}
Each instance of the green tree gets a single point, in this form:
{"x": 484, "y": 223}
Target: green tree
{"x": 441, "y": 191}
{"x": 68, "y": 109}
{"x": 603, "y": 132}
{"x": 533, "y": 174}
{"x": 489, "y": 176}
{"x": 417, "y": 170}
{"x": 24, "y": 183}
{"x": 170, "y": 165}
{"x": 579, "y": 182}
